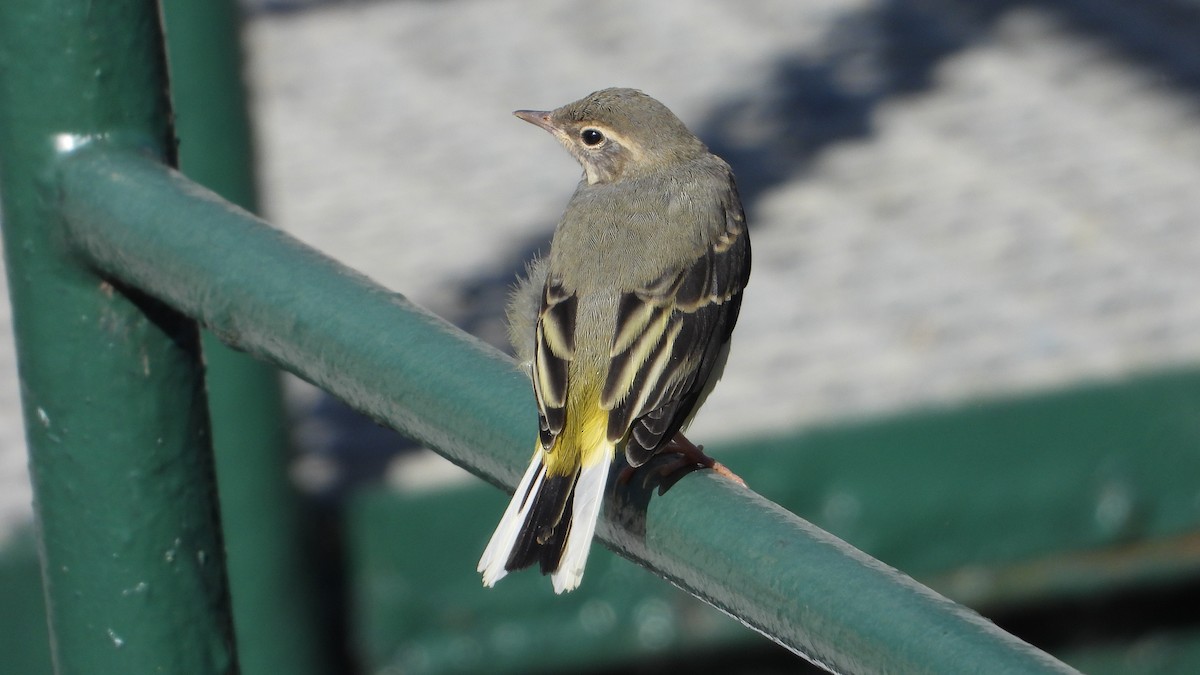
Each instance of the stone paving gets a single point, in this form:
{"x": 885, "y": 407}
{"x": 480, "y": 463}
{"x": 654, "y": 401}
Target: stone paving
{"x": 948, "y": 200}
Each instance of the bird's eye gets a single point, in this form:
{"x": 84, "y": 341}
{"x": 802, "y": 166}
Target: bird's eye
{"x": 591, "y": 137}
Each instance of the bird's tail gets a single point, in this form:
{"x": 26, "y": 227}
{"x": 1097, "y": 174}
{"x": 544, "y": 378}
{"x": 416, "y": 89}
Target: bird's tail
{"x": 550, "y": 521}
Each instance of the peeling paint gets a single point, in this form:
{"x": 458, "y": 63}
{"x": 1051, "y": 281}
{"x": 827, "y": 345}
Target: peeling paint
{"x": 172, "y": 552}
{"x": 141, "y": 588}
{"x": 117, "y": 641}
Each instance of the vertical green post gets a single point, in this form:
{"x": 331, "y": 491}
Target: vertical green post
{"x": 112, "y": 383}
{"x": 275, "y": 604}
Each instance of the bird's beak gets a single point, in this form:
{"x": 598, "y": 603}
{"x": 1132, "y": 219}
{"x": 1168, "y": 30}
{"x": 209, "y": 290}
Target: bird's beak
{"x": 538, "y": 117}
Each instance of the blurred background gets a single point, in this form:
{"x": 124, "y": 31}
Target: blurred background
{"x": 949, "y": 200}
{"x": 954, "y": 205}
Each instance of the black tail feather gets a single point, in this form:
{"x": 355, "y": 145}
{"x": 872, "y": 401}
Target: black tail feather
{"x": 544, "y": 533}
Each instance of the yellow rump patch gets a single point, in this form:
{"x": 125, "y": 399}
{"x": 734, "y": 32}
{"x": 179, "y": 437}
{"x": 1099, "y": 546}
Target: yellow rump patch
{"x": 584, "y": 438}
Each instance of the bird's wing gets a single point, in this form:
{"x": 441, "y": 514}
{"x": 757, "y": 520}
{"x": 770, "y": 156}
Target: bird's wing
{"x": 671, "y": 333}
{"x": 554, "y": 348}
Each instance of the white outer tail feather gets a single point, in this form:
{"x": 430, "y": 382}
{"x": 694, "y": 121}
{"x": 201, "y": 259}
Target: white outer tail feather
{"x": 589, "y": 493}
{"x": 585, "y": 511}
{"x": 501, "y": 545}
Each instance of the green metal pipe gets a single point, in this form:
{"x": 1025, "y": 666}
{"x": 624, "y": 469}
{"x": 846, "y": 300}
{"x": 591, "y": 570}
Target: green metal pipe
{"x": 263, "y": 292}
{"x": 111, "y": 380}
{"x": 277, "y": 616}
{"x": 272, "y": 296}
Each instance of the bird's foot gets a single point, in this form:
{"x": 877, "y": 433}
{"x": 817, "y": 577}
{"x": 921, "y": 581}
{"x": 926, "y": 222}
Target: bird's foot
{"x": 690, "y": 455}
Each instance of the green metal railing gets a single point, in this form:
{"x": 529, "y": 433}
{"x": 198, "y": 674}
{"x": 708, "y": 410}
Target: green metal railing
{"x": 279, "y": 623}
{"x": 114, "y": 258}
{"x": 112, "y": 382}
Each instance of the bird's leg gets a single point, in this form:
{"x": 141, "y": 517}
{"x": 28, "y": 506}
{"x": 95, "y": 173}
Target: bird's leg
{"x": 690, "y": 454}
{"x": 687, "y": 458}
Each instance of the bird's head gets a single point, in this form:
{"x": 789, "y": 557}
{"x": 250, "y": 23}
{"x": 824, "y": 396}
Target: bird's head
{"x": 618, "y": 133}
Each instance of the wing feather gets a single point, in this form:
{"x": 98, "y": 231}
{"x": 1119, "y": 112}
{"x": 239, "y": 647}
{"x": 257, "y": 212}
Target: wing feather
{"x": 670, "y": 336}
{"x": 553, "y": 351}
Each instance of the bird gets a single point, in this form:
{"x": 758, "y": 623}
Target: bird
{"x": 624, "y": 326}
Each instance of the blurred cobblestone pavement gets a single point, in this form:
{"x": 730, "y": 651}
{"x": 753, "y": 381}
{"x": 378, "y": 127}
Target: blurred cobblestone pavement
{"x": 948, "y": 200}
